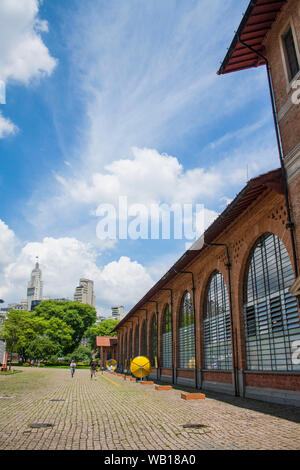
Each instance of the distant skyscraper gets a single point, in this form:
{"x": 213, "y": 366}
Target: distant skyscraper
{"x": 35, "y": 286}
{"x": 84, "y": 293}
{"x": 117, "y": 313}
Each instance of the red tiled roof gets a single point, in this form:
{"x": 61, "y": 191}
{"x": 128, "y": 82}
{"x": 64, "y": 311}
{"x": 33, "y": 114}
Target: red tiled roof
{"x": 254, "y": 188}
{"x": 257, "y": 21}
{"x": 105, "y": 341}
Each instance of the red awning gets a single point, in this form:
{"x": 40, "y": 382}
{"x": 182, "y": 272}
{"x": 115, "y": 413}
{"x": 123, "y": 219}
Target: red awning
{"x": 257, "y": 21}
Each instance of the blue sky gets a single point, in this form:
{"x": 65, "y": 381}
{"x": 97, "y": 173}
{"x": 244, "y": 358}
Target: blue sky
{"x": 118, "y": 98}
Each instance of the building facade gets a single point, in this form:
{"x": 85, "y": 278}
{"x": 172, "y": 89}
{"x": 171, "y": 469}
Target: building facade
{"x": 225, "y": 317}
{"x": 84, "y": 293}
{"x": 117, "y": 313}
{"x": 35, "y": 286}
{"x": 18, "y": 306}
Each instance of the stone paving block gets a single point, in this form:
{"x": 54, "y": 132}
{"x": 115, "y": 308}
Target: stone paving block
{"x": 106, "y": 413}
{"x": 192, "y": 396}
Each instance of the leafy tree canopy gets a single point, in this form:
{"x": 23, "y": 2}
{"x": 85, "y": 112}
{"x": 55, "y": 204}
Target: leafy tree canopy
{"x": 41, "y": 348}
{"x": 76, "y": 315}
{"x": 81, "y": 354}
{"x": 23, "y": 331}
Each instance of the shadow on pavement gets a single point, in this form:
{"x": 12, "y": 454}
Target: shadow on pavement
{"x": 288, "y": 412}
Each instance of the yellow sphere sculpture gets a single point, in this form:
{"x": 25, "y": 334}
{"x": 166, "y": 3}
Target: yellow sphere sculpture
{"x": 140, "y": 367}
{"x": 111, "y": 363}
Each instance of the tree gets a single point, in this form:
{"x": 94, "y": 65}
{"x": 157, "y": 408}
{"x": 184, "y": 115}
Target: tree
{"x": 81, "y": 354}
{"x": 17, "y": 331}
{"x": 21, "y": 330}
{"x": 76, "y": 315}
{"x": 100, "y": 329}
{"x": 42, "y": 348}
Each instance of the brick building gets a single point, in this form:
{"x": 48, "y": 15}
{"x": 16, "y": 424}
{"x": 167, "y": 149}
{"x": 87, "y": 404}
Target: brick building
{"x": 225, "y": 316}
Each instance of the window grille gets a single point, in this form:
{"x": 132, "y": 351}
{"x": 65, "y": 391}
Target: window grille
{"x": 290, "y": 54}
{"x": 153, "y": 340}
{"x": 186, "y": 333}
{"x": 167, "y": 339}
{"x": 216, "y": 325}
{"x": 271, "y": 313}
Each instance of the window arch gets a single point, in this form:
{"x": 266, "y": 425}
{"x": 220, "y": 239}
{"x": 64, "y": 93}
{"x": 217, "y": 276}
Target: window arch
{"x": 186, "y": 333}
{"x": 153, "y": 340}
{"x": 144, "y": 339}
{"x": 270, "y": 312}
{"x": 216, "y": 325}
{"x": 167, "y": 340}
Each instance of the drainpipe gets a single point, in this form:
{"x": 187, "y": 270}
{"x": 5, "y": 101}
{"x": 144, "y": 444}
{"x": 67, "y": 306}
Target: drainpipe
{"x": 233, "y": 345}
{"x": 156, "y": 303}
{"x": 290, "y": 225}
{"x": 171, "y": 291}
{"x": 194, "y": 308}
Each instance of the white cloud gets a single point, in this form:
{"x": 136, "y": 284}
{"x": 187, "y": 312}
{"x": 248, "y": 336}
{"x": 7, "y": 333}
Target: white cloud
{"x": 143, "y": 87}
{"x": 23, "y": 55}
{"x": 124, "y": 282}
{"x": 147, "y": 178}
{"x": 8, "y": 244}
{"x": 6, "y": 127}
{"x": 63, "y": 262}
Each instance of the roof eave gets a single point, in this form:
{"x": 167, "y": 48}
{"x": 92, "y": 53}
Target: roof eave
{"x": 270, "y": 180}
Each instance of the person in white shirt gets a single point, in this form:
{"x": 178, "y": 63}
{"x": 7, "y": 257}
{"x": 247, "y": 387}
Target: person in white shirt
{"x": 72, "y": 366}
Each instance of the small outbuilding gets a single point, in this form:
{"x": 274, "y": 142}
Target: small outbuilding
{"x": 107, "y": 347}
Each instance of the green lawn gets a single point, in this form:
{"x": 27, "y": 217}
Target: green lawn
{"x": 15, "y": 384}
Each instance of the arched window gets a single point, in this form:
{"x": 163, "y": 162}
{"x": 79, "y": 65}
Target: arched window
{"x": 186, "y": 333}
{"x": 153, "y": 339}
{"x": 136, "y": 341}
{"x": 216, "y": 325}
{"x": 144, "y": 339}
{"x": 270, "y": 312}
{"x": 167, "y": 342}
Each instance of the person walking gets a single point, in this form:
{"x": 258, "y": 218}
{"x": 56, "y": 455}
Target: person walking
{"x": 93, "y": 367}
{"x": 72, "y": 366}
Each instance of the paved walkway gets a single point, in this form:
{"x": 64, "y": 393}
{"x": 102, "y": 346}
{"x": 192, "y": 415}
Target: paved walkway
{"x": 111, "y": 414}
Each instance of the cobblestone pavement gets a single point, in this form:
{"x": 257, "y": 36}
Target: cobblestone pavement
{"x": 109, "y": 413}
